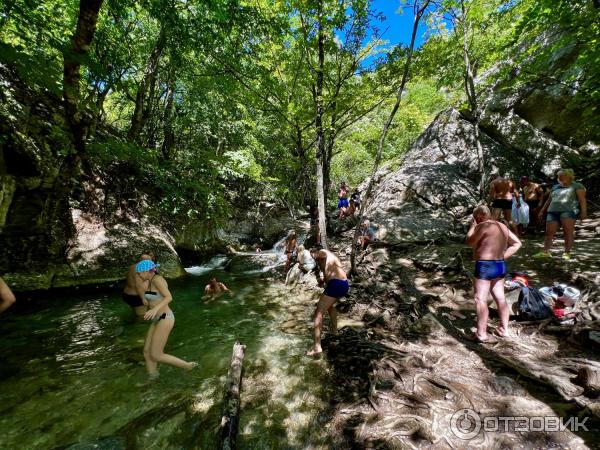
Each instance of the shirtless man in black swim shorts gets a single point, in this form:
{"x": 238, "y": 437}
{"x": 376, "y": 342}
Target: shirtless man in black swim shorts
{"x": 501, "y": 194}
{"x": 492, "y": 244}
{"x": 133, "y": 294}
{"x": 336, "y": 287}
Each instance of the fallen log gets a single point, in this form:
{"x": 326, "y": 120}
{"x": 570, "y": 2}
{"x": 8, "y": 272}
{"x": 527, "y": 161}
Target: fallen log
{"x": 231, "y": 402}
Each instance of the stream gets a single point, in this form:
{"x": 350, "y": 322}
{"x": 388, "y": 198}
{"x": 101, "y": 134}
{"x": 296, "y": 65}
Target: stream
{"x": 73, "y": 376}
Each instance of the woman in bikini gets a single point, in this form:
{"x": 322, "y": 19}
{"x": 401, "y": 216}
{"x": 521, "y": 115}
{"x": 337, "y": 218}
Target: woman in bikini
{"x": 158, "y": 296}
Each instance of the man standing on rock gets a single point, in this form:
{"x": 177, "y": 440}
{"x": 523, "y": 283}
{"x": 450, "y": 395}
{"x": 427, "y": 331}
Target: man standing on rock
{"x": 501, "y": 194}
{"x": 492, "y": 244}
{"x": 336, "y": 287}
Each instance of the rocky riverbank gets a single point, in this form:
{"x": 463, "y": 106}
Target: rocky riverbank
{"x": 407, "y": 362}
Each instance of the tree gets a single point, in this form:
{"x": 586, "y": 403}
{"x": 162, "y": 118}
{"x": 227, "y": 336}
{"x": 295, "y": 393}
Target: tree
{"x": 419, "y": 9}
{"x": 80, "y": 43}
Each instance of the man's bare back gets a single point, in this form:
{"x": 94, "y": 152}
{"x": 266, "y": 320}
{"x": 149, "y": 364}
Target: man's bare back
{"x": 330, "y": 265}
{"x": 532, "y": 191}
{"x": 132, "y": 282}
{"x": 490, "y": 240}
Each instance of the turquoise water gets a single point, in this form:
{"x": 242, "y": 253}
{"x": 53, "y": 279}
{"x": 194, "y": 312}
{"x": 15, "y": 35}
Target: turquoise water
{"x": 73, "y": 376}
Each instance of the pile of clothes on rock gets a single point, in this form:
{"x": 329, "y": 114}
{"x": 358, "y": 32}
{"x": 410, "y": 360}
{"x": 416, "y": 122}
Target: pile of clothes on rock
{"x": 558, "y": 301}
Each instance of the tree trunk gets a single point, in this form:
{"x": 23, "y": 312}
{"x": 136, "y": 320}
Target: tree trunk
{"x": 169, "y": 135}
{"x": 330, "y": 142}
{"x": 472, "y": 98}
{"x": 320, "y": 133}
{"x": 141, "y": 111}
{"x": 419, "y": 11}
{"x": 80, "y": 43}
{"x": 231, "y": 410}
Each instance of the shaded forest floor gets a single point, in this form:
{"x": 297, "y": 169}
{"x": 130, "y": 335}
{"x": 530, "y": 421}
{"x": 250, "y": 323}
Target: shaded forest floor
{"x": 408, "y": 361}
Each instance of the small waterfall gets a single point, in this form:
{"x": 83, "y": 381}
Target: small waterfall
{"x": 216, "y": 262}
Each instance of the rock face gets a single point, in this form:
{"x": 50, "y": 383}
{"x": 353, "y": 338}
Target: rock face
{"x": 437, "y": 185}
{"x": 262, "y": 225}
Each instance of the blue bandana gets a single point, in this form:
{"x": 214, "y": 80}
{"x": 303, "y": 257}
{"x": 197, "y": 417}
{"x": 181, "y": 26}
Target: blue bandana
{"x": 145, "y": 265}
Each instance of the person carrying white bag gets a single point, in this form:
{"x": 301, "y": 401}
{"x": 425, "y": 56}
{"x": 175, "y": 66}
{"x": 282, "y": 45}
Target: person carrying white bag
{"x": 520, "y": 215}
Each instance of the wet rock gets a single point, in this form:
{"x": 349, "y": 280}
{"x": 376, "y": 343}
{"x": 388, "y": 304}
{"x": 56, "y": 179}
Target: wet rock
{"x": 245, "y": 262}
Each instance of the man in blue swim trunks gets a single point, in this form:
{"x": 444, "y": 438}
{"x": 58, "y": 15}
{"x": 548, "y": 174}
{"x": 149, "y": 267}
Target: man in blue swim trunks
{"x": 492, "y": 244}
{"x": 336, "y": 287}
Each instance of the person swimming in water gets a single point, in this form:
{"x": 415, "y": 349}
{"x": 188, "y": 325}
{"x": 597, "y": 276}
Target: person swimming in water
{"x": 215, "y": 287}
{"x": 156, "y": 292}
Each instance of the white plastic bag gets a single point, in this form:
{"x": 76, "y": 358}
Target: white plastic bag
{"x": 520, "y": 216}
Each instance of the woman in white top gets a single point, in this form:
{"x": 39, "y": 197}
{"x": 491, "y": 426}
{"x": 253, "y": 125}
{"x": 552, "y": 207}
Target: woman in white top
{"x": 158, "y": 296}
{"x": 307, "y": 263}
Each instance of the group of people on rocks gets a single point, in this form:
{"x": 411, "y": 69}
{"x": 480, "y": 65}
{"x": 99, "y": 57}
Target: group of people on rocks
{"x": 493, "y": 242}
{"x": 550, "y": 207}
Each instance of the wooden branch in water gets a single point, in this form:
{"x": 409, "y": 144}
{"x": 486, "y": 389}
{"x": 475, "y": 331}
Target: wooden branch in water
{"x": 231, "y": 409}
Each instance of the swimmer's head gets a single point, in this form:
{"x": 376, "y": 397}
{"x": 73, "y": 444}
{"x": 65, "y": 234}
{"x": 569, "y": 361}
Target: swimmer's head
{"x": 300, "y": 248}
{"x": 146, "y": 265}
{"x": 366, "y": 224}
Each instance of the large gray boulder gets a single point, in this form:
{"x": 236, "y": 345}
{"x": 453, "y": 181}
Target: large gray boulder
{"x": 436, "y": 187}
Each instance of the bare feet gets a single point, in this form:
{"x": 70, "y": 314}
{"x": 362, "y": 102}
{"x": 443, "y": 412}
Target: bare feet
{"x": 314, "y": 352}
{"x": 192, "y": 365}
{"x": 485, "y": 339}
{"x": 481, "y": 337}
{"x": 500, "y": 331}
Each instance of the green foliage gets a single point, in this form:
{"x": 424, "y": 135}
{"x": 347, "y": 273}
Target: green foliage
{"x": 549, "y": 26}
{"x": 356, "y": 151}
{"x": 229, "y": 107}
